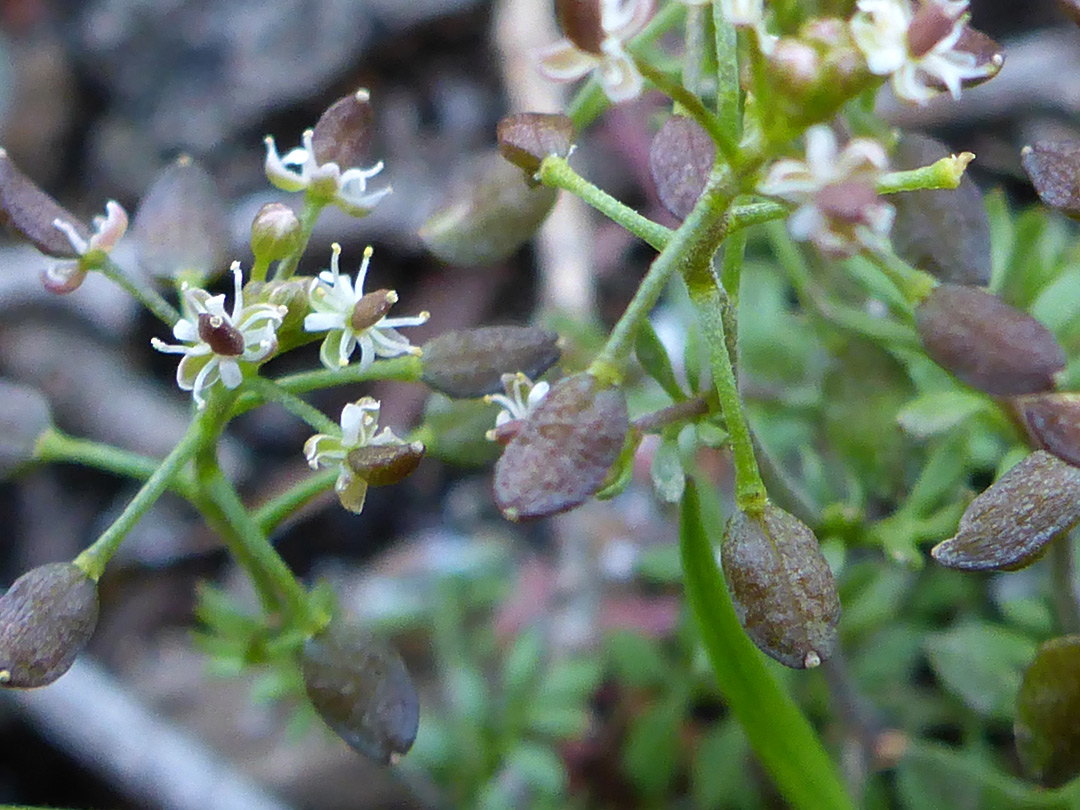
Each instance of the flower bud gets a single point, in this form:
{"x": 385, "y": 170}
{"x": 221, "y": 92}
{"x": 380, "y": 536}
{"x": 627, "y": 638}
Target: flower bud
{"x": 470, "y": 363}
{"x": 1010, "y": 525}
{"x": 384, "y": 464}
{"x": 293, "y": 295}
{"x": 945, "y": 232}
{"x": 525, "y": 139}
{"x": 275, "y": 233}
{"x": 563, "y": 451}
{"x": 489, "y": 212}
{"x": 24, "y": 416}
{"x": 342, "y": 135}
{"x": 986, "y": 343}
{"x": 181, "y": 225}
{"x": 680, "y": 159}
{"x": 46, "y": 618}
{"x": 361, "y": 689}
{"x": 32, "y": 212}
{"x": 1047, "y": 705}
{"x": 783, "y": 591}
{"x": 1053, "y": 423}
{"x": 582, "y": 22}
{"x": 1054, "y": 169}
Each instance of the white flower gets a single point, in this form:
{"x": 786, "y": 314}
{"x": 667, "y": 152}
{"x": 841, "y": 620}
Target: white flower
{"x": 619, "y": 20}
{"x": 220, "y": 341}
{"x": 66, "y": 276}
{"x": 359, "y": 428}
{"x": 839, "y": 208}
{"x": 917, "y": 48}
{"x": 353, "y": 319}
{"x": 343, "y": 186}
{"x": 520, "y": 400}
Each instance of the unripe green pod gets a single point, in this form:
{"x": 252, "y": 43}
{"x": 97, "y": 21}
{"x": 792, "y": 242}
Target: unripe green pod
{"x": 1046, "y": 728}
{"x": 469, "y": 363}
{"x": 986, "y": 343}
{"x": 563, "y": 450}
{"x": 783, "y": 591}
{"x": 361, "y": 689}
{"x": 1010, "y": 524}
{"x": 46, "y": 618}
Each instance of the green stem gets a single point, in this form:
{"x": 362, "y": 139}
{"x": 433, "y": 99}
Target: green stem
{"x": 694, "y": 51}
{"x": 309, "y": 215}
{"x": 94, "y": 559}
{"x": 259, "y": 269}
{"x": 945, "y": 173}
{"x": 743, "y": 216}
{"x": 727, "y": 73}
{"x": 557, "y": 173}
{"x": 780, "y": 735}
{"x": 145, "y": 295}
{"x": 1063, "y": 579}
{"x": 280, "y": 508}
{"x": 913, "y": 284}
{"x": 55, "y": 446}
{"x": 271, "y": 391}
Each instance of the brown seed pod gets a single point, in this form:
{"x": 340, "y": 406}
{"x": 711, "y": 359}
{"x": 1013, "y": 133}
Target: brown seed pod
{"x": 1054, "y": 169}
{"x": 783, "y": 591}
{"x": 681, "y": 157}
{"x": 488, "y": 213}
{"x": 31, "y": 212}
{"x": 564, "y": 449}
{"x": 1047, "y": 724}
{"x": 582, "y": 22}
{"x": 46, "y": 618}
{"x": 1010, "y": 525}
{"x": 342, "y": 134}
{"x": 362, "y": 690}
{"x": 525, "y": 139}
{"x": 384, "y": 464}
{"x": 1053, "y": 423}
{"x": 469, "y": 363}
{"x": 181, "y": 225}
{"x": 986, "y": 343}
{"x": 944, "y": 232}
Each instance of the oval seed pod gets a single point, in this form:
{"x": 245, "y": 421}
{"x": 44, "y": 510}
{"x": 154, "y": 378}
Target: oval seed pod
{"x": 563, "y": 450}
{"x": 783, "y": 591}
{"x": 681, "y": 157}
{"x": 1054, "y": 169}
{"x": 342, "y": 135}
{"x": 24, "y": 415}
{"x": 469, "y": 363}
{"x": 385, "y": 464}
{"x": 489, "y": 212}
{"x": 945, "y": 232}
{"x": 986, "y": 343}
{"x": 31, "y": 212}
{"x": 1047, "y": 724}
{"x": 1010, "y": 524}
{"x": 525, "y": 139}
{"x": 46, "y": 618}
{"x": 1053, "y": 423}
{"x": 361, "y": 689}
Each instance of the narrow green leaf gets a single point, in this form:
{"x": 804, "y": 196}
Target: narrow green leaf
{"x": 654, "y": 359}
{"x": 778, "y": 732}
{"x": 939, "y": 412}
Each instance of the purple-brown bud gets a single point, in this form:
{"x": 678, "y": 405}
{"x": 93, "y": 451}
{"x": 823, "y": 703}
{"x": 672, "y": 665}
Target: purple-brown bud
{"x": 563, "y": 451}
{"x": 525, "y": 139}
{"x": 986, "y": 343}
{"x": 222, "y": 337}
{"x": 342, "y": 134}
{"x": 372, "y": 308}
{"x": 470, "y": 363}
{"x": 385, "y": 464}
{"x": 681, "y": 157}
{"x": 783, "y": 591}
{"x": 46, "y": 618}
{"x": 1010, "y": 525}
{"x": 362, "y": 690}
{"x": 1054, "y": 169}
{"x": 31, "y": 212}
{"x": 275, "y": 233}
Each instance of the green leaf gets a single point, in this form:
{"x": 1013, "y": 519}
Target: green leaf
{"x": 558, "y": 721}
{"x": 668, "y": 476}
{"x": 571, "y": 681}
{"x": 637, "y": 661}
{"x": 540, "y": 767}
{"x": 982, "y": 664}
{"x": 720, "y": 775}
{"x": 778, "y": 732}
{"x": 521, "y": 667}
{"x": 650, "y": 757}
{"x": 939, "y": 412}
{"x": 654, "y": 359}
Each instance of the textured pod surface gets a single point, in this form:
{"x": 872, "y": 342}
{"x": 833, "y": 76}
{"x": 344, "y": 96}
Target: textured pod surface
{"x": 986, "y": 343}
{"x": 46, "y": 618}
{"x": 564, "y": 449}
{"x": 680, "y": 159}
{"x": 384, "y": 464}
{"x": 469, "y": 363}
{"x": 31, "y": 212}
{"x": 1047, "y": 724}
{"x": 362, "y": 690}
{"x": 342, "y": 135}
{"x": 945, "y": 232}
{"x": 782, "y": 588}
{"x": 1009, "y": 525}
{"x": 525, "y": 139}
{"x": 1054, "y": 169}
{"x": 1053, "y": 423}
{"x": 489, "y": 212}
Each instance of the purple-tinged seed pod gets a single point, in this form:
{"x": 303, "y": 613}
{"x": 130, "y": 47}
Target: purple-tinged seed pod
{"x": 525, "y": 139}
{"x": 469, "y": 363}
{"x": 1054, "y": 169}
{"x": 384, "y": 464}
{"x": 342, "y": 135}
{"x": 31, "y": 212}
{"x": 681, "y": 157}
{"x": 1053, "y": 423}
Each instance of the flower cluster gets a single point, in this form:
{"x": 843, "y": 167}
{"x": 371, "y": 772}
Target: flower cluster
{"x": 66, "y": 276}
{"x": 520, "y": 400}
{"x": 839, "y": 209}
{"x": 352, "y": 318}
{"x": 219, "y": 341}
